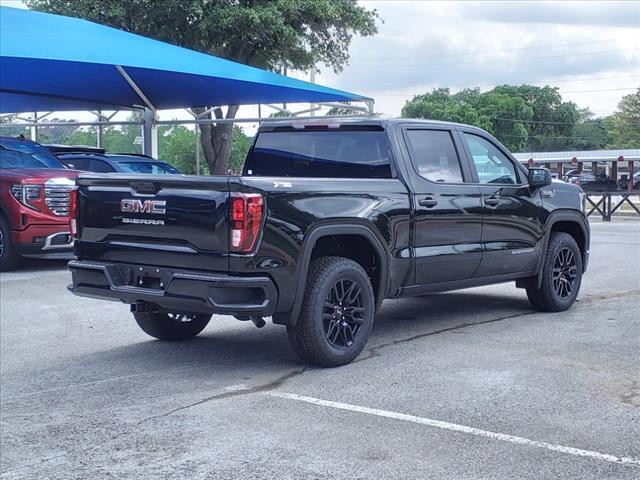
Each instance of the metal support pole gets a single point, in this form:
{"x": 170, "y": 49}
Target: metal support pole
{"x": 34, "y": 128}
{"x": 197, "y": 147}
{"x": 150, "y": 134}
{"x": 312, "y": 79}
{"x": 284, "y": 105}
{"x": 100, "y": 137}
{"x": 614, "y": 171}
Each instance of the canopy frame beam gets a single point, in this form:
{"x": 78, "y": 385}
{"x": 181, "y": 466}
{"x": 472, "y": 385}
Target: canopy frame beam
{"x": 135, "y": 87}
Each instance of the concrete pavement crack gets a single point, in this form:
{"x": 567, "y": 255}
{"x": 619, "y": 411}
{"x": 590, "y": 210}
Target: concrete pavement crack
{"x": 374, "y": 351}
{"x": 219, "y": 396}
{"x": 235, "y": 393}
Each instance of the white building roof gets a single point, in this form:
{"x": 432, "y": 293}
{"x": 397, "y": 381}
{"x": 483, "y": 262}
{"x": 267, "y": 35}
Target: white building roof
{"x": 581, "y": 155}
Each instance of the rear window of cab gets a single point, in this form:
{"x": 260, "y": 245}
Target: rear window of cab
{"x": 328, "y": 153}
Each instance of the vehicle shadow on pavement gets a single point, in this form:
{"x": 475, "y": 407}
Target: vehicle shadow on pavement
{"x": 441, "y": 310}
{"x": 226, "y": 344}
{"x": 229, "y": 353}
{"x": 36, "y": 264}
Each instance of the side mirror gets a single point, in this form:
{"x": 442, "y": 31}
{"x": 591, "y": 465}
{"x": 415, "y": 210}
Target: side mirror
{"x": 539, "y": 177}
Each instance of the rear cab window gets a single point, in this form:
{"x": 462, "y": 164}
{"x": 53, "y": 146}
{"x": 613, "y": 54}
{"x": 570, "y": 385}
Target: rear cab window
{"x": 147, "y": 167}
{"x": 345, "y": 152}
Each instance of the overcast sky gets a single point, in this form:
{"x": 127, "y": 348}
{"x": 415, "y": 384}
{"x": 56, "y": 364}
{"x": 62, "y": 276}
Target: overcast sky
{"x": 590, "y": 50}
{"x": 580, "y": 47}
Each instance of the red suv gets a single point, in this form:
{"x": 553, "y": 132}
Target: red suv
{"x": 34, "y": 201}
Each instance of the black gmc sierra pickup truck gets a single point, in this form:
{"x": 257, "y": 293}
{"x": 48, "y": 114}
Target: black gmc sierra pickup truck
{"x": 327, "y": 221}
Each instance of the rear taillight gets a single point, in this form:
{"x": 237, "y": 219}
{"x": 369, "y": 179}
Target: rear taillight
{"x": 73, "y": 213}
{"x": 245, "y": 219}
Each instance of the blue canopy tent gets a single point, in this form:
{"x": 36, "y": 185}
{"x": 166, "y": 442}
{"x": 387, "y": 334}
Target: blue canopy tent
{"x": 51, "y": 62}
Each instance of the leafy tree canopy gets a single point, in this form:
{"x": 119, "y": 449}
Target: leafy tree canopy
{"x": 625, "y": 131}
{"x": 523, "y": 117}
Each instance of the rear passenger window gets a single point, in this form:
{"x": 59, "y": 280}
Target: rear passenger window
{"x": 76, "y": 163}
{"x": 434, "y": 156}
{"x": 100, "y": 166}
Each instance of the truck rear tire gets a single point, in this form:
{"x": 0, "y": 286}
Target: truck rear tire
{"x": 561, "y": 275}
{"x": 171, "y": 326}
{"x": 337, "y": 313}
{"x": 8, "y": 256}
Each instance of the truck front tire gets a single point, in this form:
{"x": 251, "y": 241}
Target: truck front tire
{"x": 171, "y": 327}
{"x": 8, "y": 256}
{"x": 336, "y": 315}
{"x": 561, "y": 275}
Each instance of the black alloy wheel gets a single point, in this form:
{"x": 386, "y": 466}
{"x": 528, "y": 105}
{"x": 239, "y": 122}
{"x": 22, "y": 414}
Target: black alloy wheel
{"x": 565, "y": 272}
{"x": 336, "y": 315}
{"x": 343, "y": 314}
{"x": 561, "y": 275}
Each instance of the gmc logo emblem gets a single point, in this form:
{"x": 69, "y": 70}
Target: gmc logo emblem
{"x": 131, "y": 205}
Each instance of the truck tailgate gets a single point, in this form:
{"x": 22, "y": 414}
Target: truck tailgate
{"x": 162, "y": 220}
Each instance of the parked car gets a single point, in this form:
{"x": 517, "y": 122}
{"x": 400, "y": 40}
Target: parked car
{"x": 58, "y": 149}
{"x": 572, "y": 176}
{"x": 115, "y": 162}
{"x": 34, "y": 201}
{"x": 599, "y": 182}
{"x": 325, "y": 223}
{"x": 622, "y": 183}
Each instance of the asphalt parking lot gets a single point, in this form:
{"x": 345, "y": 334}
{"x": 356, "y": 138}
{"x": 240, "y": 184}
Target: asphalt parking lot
{"x": 463, "y": 385}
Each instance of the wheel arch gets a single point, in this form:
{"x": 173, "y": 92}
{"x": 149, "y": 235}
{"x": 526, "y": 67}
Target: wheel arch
{"x": 573, "y": 223}
{"x": 4, "y": 215}
{"x": 316, "y": 243}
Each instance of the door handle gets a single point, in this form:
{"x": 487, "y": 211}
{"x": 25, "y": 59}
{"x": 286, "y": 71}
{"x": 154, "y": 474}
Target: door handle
{"x": 491, "y": 201}
{"x": 428, "y": 202}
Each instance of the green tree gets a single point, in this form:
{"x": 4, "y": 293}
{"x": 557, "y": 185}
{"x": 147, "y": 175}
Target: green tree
{"x": 55, "y": 134}
{"x": 13, "y": 130}
{"x": 552, "y": 121}
{"x": 116, "y": 139}
{"x": 591, "y": 133}
{"x": 441, "y": 105}
{"x": 522, "y": 117}
{"x": 83, "y": 137}
{"x": 508, "y": 117}
{"x": 625, "y": 123}
{"x": 177, "y": 146}
{"x": 239, "y": 149}
{"x": 276, "y": 34}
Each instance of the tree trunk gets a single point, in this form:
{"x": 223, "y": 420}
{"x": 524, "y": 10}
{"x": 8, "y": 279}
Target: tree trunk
{"x": 216, "y": 141}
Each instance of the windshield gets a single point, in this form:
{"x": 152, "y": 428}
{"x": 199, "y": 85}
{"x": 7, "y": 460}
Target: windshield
{"x": 43, "y": 155}
{"x": 323, "y": 153}
{"x": 147, "y": 167}
{"x": 13, "y": 159}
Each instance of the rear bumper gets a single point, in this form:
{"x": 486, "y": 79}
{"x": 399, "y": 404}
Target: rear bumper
{"x": 174, "y": 290}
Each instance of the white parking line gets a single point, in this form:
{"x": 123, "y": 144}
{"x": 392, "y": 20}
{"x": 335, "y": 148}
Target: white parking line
{"x": 459, "y": 428}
